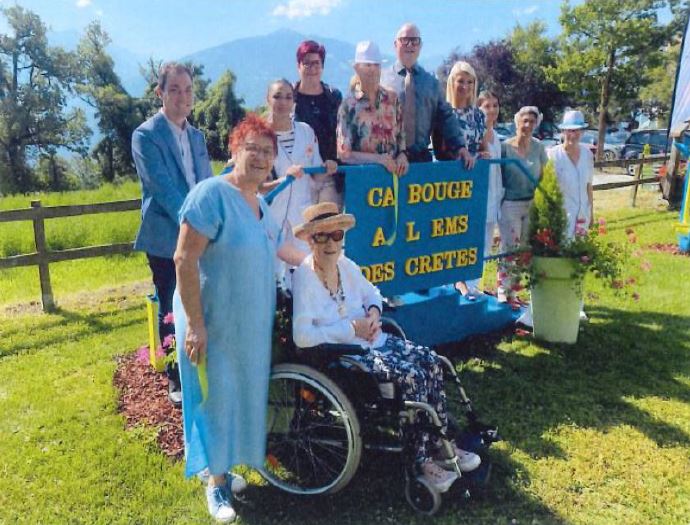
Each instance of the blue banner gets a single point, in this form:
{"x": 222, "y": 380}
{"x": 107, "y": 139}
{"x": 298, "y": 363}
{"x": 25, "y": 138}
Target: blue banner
{"x": 422, "y": 230}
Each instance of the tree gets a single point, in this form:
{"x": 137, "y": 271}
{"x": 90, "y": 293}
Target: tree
{"x": 218, "y": 114}
{"x": 35, "y": 80}
{"x": 609, "y": 48}
{"x": 118, "y": 114}
{"x": 534, "y": 54}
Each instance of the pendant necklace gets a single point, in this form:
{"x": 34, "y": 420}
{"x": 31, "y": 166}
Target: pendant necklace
{"x": 338, "y": 296}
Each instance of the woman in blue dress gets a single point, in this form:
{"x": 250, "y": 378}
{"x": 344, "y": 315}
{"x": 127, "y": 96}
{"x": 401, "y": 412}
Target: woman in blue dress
{"x": 461, "y": 94}
{"x": 224, "y": 308}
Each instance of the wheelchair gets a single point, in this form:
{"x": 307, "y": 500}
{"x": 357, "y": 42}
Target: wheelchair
{"x": 324, "y": 407}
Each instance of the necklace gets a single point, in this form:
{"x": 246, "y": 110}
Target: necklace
{"x": 338, "y": 296}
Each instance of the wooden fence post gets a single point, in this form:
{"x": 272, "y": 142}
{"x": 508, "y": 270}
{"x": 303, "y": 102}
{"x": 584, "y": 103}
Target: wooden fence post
{"x": 638, "y": 175}
{"x": 43, "y": 265}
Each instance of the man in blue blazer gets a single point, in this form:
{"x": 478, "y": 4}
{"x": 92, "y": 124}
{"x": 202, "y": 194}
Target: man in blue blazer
{"x": 171, "y": 157}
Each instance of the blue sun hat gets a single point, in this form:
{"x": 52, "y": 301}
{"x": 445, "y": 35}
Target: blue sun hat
{"x": 573, "y": 119}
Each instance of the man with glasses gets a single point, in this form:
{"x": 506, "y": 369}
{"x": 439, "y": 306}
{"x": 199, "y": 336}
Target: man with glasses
{"x": 424, "y": 107}
{"x": 170, "y": 158}
{"x": 316, "y": 103}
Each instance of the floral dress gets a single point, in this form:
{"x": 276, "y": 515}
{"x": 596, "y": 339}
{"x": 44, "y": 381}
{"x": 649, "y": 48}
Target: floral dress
{"x": 369, "y": 127}
{"x": 472, "y": 126}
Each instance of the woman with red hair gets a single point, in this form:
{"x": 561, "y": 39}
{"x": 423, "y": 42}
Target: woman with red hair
{"x": 224, "y": 307}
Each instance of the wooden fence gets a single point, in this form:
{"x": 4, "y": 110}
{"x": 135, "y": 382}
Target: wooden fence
{"x": 43, "y": 256}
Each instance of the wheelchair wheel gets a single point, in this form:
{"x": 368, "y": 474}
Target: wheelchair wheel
{"x": 422, "y": 495}
{"x": 313, "y": 444}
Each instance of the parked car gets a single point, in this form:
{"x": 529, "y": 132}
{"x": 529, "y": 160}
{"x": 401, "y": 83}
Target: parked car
{"x": 590, "y": 138}
{"x": 658, "y": 140}
{"x": 547, "y": 131}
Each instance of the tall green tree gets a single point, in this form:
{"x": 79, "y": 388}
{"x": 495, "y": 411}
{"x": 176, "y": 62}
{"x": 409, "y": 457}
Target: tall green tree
{"x": 218, "y": 114}
{"x": 35, "y": 81}
{"x": 609, "y": 49}
{"x": 534, "y": 54}
{"x": 118, "y": 113}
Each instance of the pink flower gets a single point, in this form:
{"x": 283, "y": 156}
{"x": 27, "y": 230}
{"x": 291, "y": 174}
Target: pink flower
{"x": 602, "y": 221}
{"x": 160, "y": 352}
{"x": 169, "y": 341}
{"x": 580, "y": 231}
{"x": 584, "y": 259}
{"x": 169, "y": 318}
{"x": 143, "y": 354}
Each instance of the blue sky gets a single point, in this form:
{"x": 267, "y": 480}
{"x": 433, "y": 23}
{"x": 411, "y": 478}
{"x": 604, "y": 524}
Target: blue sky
{"x": 168, "y": 29}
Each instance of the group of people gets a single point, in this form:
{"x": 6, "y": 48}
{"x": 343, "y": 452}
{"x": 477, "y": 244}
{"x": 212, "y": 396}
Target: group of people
{"x": 212, "y": 242}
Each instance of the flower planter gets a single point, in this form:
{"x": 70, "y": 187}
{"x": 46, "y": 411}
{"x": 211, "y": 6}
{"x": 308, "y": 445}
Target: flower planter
{"x": 556, "y": 300}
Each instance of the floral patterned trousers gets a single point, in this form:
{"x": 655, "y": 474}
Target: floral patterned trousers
{"x": 418, "y": 373}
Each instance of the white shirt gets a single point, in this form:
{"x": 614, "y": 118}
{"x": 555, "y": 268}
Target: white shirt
{"x": 288, "y": 205}
{"x": 316, "y": 318}
{"x": 182, "y": 139}
{"x": 573, "y": 180}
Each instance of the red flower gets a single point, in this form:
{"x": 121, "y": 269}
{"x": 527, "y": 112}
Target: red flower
{"x": 602, "y": 229}
{"x": 544, "y": 237}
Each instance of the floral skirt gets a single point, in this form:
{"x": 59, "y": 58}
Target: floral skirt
{"x": 418, "y": 373}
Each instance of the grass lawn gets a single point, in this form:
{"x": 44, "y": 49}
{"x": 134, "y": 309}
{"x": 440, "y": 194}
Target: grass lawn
{"x": 595, "y": 433}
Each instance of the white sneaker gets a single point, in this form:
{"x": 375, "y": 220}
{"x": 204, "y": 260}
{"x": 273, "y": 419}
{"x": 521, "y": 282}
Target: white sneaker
{"x": 234, "y": 482}
{"x": 219, "y": 506}
{"x": 237, "y": 483}
{"x": 438, "y": 477}
{"x": 468, "y": 460}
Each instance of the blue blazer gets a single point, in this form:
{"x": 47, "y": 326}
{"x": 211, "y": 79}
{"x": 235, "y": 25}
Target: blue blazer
{"x": 163, "y": 184}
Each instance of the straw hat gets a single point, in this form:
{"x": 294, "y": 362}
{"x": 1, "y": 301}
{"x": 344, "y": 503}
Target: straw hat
{"x": 324, "y": 216}
{"x": 573, "y": 120}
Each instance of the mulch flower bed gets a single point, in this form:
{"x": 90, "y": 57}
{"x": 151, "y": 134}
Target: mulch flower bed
{"x": 673, "y": 249}
{"x": 143, "y": 399}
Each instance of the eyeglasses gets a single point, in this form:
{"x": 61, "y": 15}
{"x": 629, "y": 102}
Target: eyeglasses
{"x": 322, "y": 237}
{"x": 410, "y": 40}
{"x": 312, "y": 64}
{"x": 255, "y": 150}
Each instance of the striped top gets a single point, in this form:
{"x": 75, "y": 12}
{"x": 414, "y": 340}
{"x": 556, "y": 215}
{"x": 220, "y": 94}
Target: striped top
{"x": 286, "y": 140}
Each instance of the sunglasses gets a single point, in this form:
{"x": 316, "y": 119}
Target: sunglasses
{"x": 410, "y": 40}
{"x": 322, "y": 237}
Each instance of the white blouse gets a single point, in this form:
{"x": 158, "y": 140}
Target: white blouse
{"x": 316, "y": 316}
{"x": 573, "y": 180}
{"x": 288, "y": 205}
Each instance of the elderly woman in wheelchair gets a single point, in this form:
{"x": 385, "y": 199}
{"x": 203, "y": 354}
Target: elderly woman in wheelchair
{"x": 337, "y": 325}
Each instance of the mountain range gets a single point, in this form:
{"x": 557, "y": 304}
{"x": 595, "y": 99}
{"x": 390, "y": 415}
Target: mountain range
{"x": 254, "y": 61}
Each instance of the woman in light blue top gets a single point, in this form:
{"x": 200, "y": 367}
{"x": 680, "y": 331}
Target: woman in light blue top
{"x": 224, "y": 308}
{"x": 519, "y": 187}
